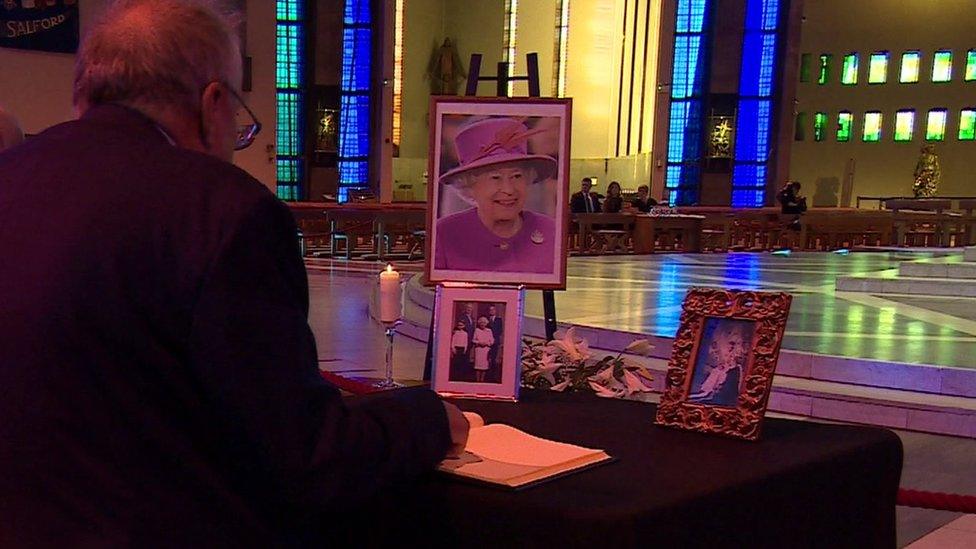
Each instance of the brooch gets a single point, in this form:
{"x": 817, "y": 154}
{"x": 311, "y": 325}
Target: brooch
{"x": 503, "y": 245}
{"x": 537, "y": 237}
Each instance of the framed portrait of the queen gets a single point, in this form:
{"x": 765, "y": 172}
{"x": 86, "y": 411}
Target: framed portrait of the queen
{"x": 497, "y": 209}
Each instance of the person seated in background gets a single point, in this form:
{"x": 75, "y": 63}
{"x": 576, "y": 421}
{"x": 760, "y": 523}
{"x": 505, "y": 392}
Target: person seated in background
{"x": 792, "y": 202}
{"x": 643, "y": 203}
{"x": 790, "y": 199}
{"x": 10, "y": 133}
{"x": 614, "y": 202}
{"x": 161, "y": 383}
{"x": 585, "y": 201}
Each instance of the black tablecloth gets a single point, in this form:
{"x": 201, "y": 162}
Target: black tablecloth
{"x": 802, "y": 485}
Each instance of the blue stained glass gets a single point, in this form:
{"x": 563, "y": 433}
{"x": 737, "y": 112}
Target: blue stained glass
{"x": 762, "y": 15}
{"x": 748, "y": 198}
{"x": 758, "y": 62}
{"x": 753, "y": 120}
{"x": 353, "y": 173}
{"x": 752, "y": 130}
{"x": 690, "y": 15}
{"x": 357, "y": 12}
{"x": 684, "y": 131}
{"x": 688, "y": 69}
{"x": 355, "y": 59}
{"x": 354, "y": 103}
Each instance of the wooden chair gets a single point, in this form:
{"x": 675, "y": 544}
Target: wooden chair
{"x": 968, "y": 220}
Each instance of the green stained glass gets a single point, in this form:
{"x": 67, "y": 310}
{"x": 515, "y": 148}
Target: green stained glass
{"x": 971, "y": 66}
{"x": 819, "y": 126}
{"x": 288, "y": 120}
{"x": 910, "y": 64}
{"x": 942, "y": 66}
{"x": 289, "y": 10}
{"x": 824, "y": 69}
{"x": 845, "y": 121}
{"x": 288, "y": 72}
{"x": 904, "y": 125}
{"x": 872, "y": 126}
{"x": 935, "y": 128}
{"x": 848, "y": 75}
{"x": 288, "y": 192}
{"x": 967, "y": 125}
{"x": 878, "y": 68}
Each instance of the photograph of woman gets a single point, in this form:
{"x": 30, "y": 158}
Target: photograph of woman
{"x": 497, "y": 212}
{"x": 482, "y": 342}
{"x": 720, "y": 369}
{"x": 477, "y": 342}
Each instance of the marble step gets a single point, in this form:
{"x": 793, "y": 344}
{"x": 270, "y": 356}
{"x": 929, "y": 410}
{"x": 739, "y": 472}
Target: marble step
{"x": 970, "y": 253}
{"x": 908, "y": 285}
{"x": 938, "y": 270}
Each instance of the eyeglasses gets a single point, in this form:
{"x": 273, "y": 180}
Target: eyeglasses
{"x": 245, "y": 132}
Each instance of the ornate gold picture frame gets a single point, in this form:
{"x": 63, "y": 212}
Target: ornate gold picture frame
{"x": 722, "y": 361}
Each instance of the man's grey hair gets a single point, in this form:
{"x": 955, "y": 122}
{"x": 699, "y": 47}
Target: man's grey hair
{"x": 156, "y": 54}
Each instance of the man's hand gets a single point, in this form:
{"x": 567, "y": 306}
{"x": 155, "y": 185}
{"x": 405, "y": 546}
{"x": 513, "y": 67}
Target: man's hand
{"x": 458, "y": 425}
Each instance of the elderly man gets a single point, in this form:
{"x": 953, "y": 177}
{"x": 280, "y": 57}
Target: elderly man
{"x": 10, "y": 132}
{"x": 159, "y": 379}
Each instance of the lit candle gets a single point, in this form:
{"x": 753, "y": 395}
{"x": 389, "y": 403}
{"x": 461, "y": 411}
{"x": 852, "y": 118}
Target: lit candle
{"x": 390, "y": 303}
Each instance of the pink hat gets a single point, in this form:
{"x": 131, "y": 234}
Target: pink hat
{"x": 496, "y": 141}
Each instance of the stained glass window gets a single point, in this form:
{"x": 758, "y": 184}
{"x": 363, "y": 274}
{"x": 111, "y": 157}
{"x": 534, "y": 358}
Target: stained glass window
{"x": 970, "y": 66}
{"x": 872, "y": 126}
{"x": 967, "y": 125}
{"x": 904, "y": 125}
{"x": 686, "y": 125}
{"x": 354, "y": 98}
{"x": 825, "y": 61}
{"x": 754, "y": 121}
{"x": 848, "y": 75}
{"x": 845, "y": 124}
{"x": 910, "y": 67}
{"x": 289, "y": 98}
{"x": 936, "y": 125}
{"x": 819, "y": 126}
{"x": 942, "y": 66}
{"x": 878, "y": 68}
{"x": 397, "y": 73}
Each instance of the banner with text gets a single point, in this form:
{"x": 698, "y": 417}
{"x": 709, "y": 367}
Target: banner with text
{"x": 43, "y": 25}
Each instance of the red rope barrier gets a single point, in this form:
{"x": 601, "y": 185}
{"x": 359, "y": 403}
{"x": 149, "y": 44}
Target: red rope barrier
{"x": 349, "y": 385}
{"x": 937, "y": 500}
{"x": 909, "y": 498}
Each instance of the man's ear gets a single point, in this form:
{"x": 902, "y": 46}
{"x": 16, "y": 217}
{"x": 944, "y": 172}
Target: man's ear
{"x": 210, "y": 101}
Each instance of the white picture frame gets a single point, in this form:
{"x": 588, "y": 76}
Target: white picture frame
{"x": 475, "y": 360}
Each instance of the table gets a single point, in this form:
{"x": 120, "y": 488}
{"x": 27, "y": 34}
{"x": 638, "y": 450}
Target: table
{"x": 802, "y": 484}
{"x": 690, "y": 226}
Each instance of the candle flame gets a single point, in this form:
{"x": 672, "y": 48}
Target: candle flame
{"x": 389, "y": 268}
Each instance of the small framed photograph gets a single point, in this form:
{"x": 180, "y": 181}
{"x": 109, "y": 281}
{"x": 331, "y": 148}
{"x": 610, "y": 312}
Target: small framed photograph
{"x": 477, "y": 341}
{"x": 497, "y": 198}
{"x": 723, "y": 360}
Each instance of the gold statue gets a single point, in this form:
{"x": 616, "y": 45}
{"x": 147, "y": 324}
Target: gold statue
{"x": 928, "y": 174}
{"x": 444, "y": 69}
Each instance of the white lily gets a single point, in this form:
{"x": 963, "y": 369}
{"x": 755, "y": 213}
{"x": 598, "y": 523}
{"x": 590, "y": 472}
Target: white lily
{"x": 602, "y": 391}
{"x": 561, "y": 386}
{"x": 641, "y": 347}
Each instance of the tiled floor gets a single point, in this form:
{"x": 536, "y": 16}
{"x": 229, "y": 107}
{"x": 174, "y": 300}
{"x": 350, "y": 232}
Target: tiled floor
{"x": 348, "y": 342}
{"x": 644, "y": 294}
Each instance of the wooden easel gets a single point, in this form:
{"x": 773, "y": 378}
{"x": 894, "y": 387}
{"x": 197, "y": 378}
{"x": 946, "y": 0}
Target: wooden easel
{"x": 501, "y": 90}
